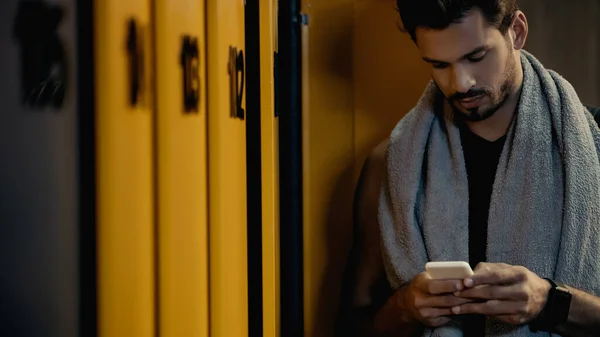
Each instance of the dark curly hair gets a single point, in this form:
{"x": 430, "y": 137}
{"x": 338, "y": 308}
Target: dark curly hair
{"x": 439, "y": 14}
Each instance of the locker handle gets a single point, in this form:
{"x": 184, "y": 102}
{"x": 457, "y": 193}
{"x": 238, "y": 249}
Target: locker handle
{"x": 190, "y": 64}
{"x": 236, "y": 66}
{"x": 135, "y": 62}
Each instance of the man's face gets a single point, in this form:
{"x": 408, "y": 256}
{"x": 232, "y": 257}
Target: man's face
{"x": 473, "y": 64}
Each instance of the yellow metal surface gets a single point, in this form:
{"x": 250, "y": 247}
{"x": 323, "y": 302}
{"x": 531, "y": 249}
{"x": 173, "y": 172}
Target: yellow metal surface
{"x": 355, "y": 66}
{"x": 125, "y": 230}
{"x": 328, "y": 157}
{"x": 182, "y": 174}
{"x": 389, "y": 75}
{"x": 227, "y": 177}
{"x": 270, "y": 173}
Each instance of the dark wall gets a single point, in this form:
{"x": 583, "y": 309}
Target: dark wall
{"x": 38, "y": 197}
{"x": 565, "y": 36}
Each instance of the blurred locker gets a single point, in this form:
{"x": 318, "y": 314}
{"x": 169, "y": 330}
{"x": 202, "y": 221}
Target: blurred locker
{"x": 262, "y": 170}
{"x": 270, "y": 168}
{"x": 40, "y": 187}
{"x": 182, "y": 171}
{"x": 227, "y": 169}
{"x": 124, "y": 154}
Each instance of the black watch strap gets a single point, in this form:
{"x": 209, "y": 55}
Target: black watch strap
{"x": 556, "y": 310}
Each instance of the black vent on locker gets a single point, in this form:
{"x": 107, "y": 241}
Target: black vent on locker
{"x": 289, "y": 84}
{"x": 253, "y": 164}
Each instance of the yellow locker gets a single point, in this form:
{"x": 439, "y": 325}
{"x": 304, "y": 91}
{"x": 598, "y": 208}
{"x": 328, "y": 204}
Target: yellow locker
{"x": 124, "y": 153}
{"x": 383, "y": 58}
{"x": 349, "y": 107}
{"x": 182, "y": 172}
{"x": 270, "y": 172}
{"x": 328, "y": 157}
{"x": 227, "y": 169}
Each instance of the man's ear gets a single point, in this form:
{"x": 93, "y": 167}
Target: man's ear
{"x": 518, "y": 30}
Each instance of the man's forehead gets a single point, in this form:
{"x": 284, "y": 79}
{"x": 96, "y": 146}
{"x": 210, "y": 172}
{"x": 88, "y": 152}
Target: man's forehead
{"x": 455, "y": 41}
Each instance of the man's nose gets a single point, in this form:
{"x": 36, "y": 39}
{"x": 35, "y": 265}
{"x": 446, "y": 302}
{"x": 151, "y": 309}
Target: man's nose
{"x": 462, "y": 80}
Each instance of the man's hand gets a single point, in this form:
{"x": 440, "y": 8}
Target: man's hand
{"x": 431, "y": 301}
{"x": 511, "y": 294}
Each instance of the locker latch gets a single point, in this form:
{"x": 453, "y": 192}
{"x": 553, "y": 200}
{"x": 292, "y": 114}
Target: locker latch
{"x": 276, "y": 83}
{"x": 136, "y": 61}
{"x": 236, "y": 66}
{"x": 43, "y": 66}
{"x": 190, "y": 64}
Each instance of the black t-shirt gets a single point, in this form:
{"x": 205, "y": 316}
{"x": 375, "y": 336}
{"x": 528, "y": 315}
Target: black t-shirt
{"x": 481, "y": 161}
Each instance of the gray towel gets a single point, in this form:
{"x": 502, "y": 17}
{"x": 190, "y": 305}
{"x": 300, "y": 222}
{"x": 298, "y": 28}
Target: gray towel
{"x": 545, "y": 205}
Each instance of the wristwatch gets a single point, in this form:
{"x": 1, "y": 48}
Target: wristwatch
{"x": 556, "y": 310}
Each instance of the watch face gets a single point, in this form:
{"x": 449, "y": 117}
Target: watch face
{"x": 561, "y": 304}
{"x": 562, "y": 288}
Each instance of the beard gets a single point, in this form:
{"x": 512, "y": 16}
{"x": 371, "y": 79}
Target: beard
{"x": 497, "y": 97}
{"x": 480, "y": 113}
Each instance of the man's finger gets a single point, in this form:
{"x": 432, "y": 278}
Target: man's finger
{"x": 486, "y": 266}
{"x": 447, "y": 301}
{"x": 491, "y": 308}
{"x": 432, "y": 313}
{"x": 493, "y": 292}
{"x": 439, "y": 287}
{"x": 425, "y": 283}
{"x": 496, "y": 276}
{"x": 437, "y": 322}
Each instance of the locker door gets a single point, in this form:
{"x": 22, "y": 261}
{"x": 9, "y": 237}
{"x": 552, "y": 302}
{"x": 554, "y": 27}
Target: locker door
{"x": 40, "y": 190}
{"x": 270, "y": 169}
{"x": 262, "y": 170}
{"x": 124, "y": 124}
{"x": 227, "y": 170}
{"x": 182, "y": 171}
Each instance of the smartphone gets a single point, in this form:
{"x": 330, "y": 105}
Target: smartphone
{"x": 448, "y": 270}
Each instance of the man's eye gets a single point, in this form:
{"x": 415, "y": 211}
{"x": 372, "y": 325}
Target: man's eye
{"x": 440, "y": 65}
{"x": 477, "y": 59}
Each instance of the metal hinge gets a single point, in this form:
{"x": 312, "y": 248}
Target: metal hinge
{"x": 275, "y": 84}
{"x": 302, "y": 18}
